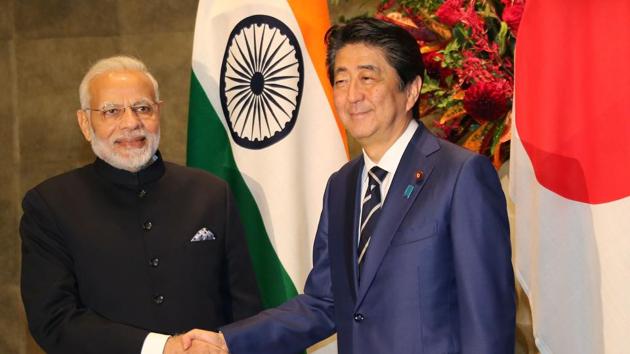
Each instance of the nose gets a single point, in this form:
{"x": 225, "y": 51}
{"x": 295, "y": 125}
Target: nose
{"x": 129, "y": 119}
{"x": 355, "y": 91}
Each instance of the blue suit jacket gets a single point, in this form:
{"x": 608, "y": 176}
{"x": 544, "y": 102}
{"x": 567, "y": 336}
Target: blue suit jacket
{"x": 438, "y": 274}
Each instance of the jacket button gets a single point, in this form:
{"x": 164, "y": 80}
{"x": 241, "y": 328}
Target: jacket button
{"x": 358, "y": 317}
{"x": 147, "y": 225}
{"x": 142, "y": 193}
{"x": 154, "y": 262}
{"x": 158, "y": 299}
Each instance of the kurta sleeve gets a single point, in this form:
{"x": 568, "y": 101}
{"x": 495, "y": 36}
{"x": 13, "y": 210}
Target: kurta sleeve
{"x": 244, "y": 300}
{"x": 58, "y": 320}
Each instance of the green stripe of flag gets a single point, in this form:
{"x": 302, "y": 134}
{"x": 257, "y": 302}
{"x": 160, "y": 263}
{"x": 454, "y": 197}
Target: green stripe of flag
{"x": 209, "y": 149}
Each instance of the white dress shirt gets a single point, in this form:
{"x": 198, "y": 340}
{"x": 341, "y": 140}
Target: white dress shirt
{"x": 389, "y": 162}
{"x": 154, "y": 343}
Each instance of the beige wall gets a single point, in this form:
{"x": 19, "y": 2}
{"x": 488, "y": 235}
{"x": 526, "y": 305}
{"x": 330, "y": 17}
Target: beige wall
{"x": 45, "y": 47}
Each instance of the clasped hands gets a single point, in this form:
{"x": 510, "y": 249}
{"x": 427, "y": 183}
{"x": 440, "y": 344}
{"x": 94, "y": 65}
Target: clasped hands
{"x": 196, "y": 341}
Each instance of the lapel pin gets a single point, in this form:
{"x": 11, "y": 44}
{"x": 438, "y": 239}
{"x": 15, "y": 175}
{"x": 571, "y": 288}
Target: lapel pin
{"x": 419, "y": 175}
{"x": 408, "y": 191}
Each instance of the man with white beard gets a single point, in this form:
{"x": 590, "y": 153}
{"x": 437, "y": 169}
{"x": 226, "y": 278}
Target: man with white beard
{"x": 121, "y": 253}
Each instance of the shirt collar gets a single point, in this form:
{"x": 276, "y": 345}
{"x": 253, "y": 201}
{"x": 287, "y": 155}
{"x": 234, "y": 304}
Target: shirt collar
{"x": 391, "y": 158}
{"x": 149, "y": 174}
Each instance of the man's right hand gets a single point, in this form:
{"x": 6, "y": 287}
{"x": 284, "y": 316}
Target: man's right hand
{"x": 178, "y": 345}
{"x": 216, "y": 340}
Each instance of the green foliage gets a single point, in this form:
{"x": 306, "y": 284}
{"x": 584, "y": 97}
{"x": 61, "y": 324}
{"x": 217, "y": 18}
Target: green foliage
{"x": 501, "y": 38}
{"x": 452, "y": 55}
{"x": 430, "y": 85}
{"x": 428, "y": 5}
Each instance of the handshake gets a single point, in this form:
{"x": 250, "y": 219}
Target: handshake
{"x": 196, "y": 341}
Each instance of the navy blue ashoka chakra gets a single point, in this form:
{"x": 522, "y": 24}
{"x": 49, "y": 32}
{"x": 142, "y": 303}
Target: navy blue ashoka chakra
{"x": 262, "y": 76}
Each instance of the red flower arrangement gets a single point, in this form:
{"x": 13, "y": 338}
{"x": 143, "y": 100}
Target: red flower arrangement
{"x": 433, "y": 64}
{"x": 450, "y": 12}
{"x": 488, "y": 100}
{"x": 512, "y": 14}
{"x": 467, "y": 48}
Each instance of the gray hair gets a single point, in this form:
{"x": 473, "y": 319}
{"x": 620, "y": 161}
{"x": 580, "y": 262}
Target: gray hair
{"x": 116, "y": 63}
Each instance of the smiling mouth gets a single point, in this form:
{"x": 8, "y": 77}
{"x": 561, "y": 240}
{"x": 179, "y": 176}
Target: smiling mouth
{"x": 131, "y": 143}
{"x": 358, "y": 114}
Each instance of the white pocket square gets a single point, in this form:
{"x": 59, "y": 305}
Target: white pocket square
{"x": 203, "y": 235}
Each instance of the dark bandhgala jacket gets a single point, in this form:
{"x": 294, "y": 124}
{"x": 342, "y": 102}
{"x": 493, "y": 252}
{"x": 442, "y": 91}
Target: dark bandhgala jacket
{"x": 107, "y": 257}
{"x": 437, "y": 276}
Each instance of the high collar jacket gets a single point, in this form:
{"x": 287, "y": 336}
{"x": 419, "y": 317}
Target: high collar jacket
{"x": 109, "y": 255}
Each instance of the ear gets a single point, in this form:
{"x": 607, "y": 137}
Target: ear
{"x": 159, "y": 107}
{"x": 413, "y": 92}
{"x": 84, "y": 124}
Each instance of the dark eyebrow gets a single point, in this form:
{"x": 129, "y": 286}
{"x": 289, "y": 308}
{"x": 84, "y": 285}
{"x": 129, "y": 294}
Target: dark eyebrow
{"x": 340, "y": 70}
{"x": 370, "y": 67}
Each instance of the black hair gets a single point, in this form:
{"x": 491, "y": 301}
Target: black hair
{"x": 399, "y": 47}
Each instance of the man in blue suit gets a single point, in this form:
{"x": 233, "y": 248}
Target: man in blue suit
{"x": 412, "y": 253}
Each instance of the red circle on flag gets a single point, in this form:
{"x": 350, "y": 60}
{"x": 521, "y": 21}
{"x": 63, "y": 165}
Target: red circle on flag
{"x": 573, "y": 97}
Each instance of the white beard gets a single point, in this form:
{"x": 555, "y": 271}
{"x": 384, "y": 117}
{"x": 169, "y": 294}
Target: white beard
{"x": 135, "y": 159}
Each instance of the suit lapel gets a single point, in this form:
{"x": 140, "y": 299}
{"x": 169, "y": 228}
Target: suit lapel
{"x": 404, "y": 190}
{"x": 344, "y": 220}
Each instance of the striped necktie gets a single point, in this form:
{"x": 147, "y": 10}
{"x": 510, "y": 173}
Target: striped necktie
{"x": 371, "y": 208}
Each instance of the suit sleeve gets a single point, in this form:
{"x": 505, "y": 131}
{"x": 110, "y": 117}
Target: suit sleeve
{"x": 299, "y": 322}
{"x": 57, "y": 319}
{"x": 483, "y": 266}
{"x": 244, "y": 300}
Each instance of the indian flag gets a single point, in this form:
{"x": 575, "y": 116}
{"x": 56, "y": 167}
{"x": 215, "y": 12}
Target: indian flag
{"x": 261, "y": 118}
{"x": 570, "y": 173}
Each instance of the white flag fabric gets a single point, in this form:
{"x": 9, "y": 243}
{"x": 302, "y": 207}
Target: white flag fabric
{"x": 260, "y": 117}
{"x": 570, "y": 174}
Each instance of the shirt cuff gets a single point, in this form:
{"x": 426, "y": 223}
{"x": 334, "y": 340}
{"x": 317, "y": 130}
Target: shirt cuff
{"x": 154, "y": 343}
